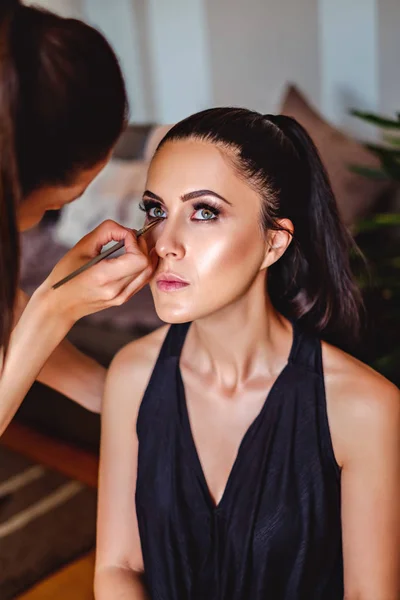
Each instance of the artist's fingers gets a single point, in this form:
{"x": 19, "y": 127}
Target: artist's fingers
{"x": 92, "y": 243}
{"x": 127, "y": 266}
{"x": 133, "y": 286}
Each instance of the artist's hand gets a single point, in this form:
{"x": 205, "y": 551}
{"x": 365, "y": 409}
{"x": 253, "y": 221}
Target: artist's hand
{"x": 111, "y": 282}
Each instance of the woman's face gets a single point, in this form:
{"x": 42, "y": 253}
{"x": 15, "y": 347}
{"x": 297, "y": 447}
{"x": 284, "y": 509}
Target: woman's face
{"x": 210, "y": 245}
{"x": 32, "y": 208}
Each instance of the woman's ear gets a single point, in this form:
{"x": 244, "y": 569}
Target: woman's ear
{"x": 277, "y": 242}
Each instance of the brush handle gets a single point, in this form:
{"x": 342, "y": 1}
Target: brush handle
{"x": 102, "y": 256}
{"x": 92, "y": 262}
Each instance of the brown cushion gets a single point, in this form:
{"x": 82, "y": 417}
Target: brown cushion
{"x": 153, "y": 139}
{"x": 356, "y": 195}
{"x": 132, "y": 143}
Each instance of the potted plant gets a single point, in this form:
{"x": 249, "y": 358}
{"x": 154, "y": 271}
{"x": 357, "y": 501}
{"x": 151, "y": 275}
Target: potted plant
{"x": 378, "y": 237}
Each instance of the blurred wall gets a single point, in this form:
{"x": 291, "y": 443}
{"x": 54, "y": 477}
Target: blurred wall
{"x": 179, "y": 56}
{"x": 389, "y": 55}
{"x": 66, "y": 8}
{"x": 348, "y": 50}
{"x": 258, "y": 45}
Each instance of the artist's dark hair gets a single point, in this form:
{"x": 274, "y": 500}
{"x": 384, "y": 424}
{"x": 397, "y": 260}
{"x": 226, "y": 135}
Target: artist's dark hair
{"x": 312, "y": 282}
{"x": 63, "y": 106}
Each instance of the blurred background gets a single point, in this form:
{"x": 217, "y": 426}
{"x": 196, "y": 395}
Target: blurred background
{"x": 331, "y": 64}
{"x": 180, "y": 56}
{"x": 316, "y": 60}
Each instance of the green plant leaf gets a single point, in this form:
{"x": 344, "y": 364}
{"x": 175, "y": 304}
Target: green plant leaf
{"x": 391, "y": 139}
{"x": 391, "y": 166}
{"x": 394, "y": 262}
{"x": 369, "y": 172}
{"x": 378, "y": 221}
{"x": 390, "y": 160}
{"x": 383, "y": 150}
{"x": 388, "y": 361}
{"x": 376, "y": 119}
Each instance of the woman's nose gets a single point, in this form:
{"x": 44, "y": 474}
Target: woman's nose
{"x": 169, "y": 241}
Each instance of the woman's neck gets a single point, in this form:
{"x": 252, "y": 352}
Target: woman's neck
{"x": 245, "y": 340}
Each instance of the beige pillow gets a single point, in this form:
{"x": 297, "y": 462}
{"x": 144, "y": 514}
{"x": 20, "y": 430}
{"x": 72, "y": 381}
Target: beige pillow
{"x": 355, "y": 195}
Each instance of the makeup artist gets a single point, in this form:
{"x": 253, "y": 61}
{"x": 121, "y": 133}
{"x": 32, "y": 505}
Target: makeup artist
{"x": 63, "y": 106}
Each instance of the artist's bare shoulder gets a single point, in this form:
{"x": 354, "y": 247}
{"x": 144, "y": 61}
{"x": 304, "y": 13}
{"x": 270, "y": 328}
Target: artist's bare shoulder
{"x": 131, "y": 368}
{"x": 359, "y": 399}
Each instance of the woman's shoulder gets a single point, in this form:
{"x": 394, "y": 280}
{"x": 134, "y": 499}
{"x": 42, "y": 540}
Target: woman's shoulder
{"x": 131, "y": 368}
{"x": 348, "y": 378}
{"x": 361, "y": 402}
{"x": 142, "y": 352}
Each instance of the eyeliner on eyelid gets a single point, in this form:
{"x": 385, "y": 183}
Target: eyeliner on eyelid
{"x": 146, "y": 205}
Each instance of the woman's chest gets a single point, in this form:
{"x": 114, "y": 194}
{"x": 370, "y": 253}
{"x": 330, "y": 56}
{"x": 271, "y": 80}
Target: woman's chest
{"x": 216, "y": 426}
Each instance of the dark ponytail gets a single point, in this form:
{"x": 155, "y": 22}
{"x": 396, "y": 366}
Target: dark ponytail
{"x": 9, "y": 181}
{"x": 63, "y": 106}
{"x": 312, "y": 282}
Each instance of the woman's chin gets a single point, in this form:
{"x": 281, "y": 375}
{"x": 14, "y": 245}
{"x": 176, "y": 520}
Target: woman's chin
{"x": 174, "y": 314}
{"x": 173, "y": 318}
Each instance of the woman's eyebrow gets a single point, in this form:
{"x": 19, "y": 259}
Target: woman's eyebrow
{"x": 189, "y": 195}
{"x": 151, "y": 195}
{"x": 201, "y": 193}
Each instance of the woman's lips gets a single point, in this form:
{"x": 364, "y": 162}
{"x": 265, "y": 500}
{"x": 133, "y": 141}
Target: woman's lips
{"x": 170, "y": 282}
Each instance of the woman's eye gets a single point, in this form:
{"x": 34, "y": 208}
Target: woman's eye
{"x": 156, "y": 212}
{"x": 204, "y": 214}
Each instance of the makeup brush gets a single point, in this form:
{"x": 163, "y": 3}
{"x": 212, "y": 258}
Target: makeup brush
{"x": 104, "y": 254}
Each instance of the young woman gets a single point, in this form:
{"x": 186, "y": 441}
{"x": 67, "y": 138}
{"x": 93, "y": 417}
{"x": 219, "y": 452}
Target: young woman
{"x": 266, "y": 463}
{"x": 62, "y": 108}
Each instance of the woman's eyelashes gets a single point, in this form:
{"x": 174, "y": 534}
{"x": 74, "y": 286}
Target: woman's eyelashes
{"x": 203, "y": 211}
{"x": 152, "y": 208}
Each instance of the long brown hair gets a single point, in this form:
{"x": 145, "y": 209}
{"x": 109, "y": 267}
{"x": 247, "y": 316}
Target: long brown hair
{"x": 63, "y": 106}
